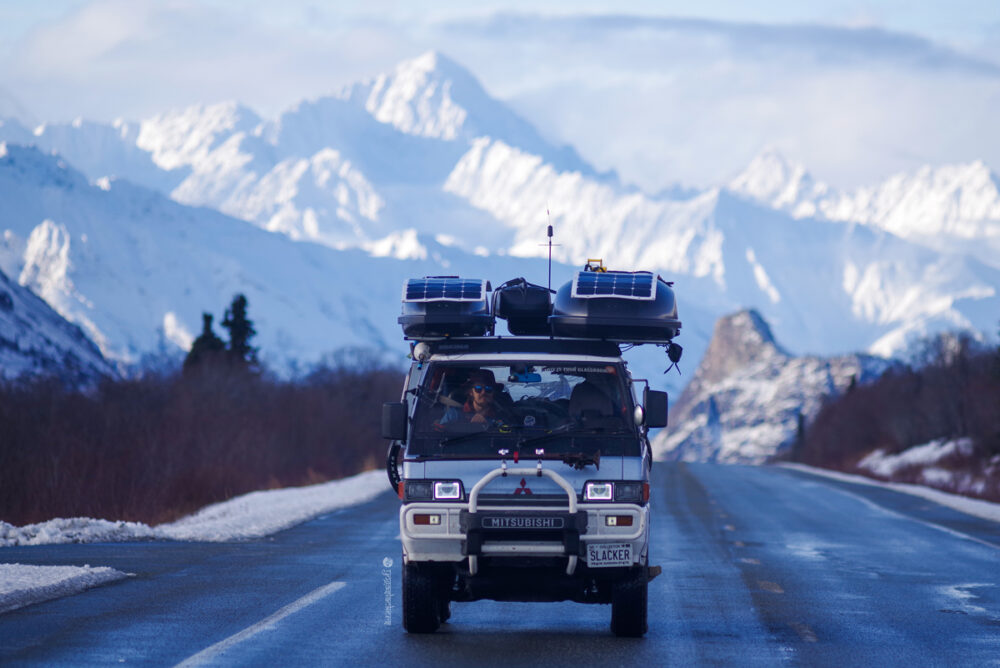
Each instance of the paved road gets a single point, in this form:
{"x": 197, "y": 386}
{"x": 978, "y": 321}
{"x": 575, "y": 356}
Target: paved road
{"x": 761, "y": 566}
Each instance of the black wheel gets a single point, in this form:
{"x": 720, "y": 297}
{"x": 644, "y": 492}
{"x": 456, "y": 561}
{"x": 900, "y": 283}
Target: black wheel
{"x": 628, "y": 605}
{"x": 421, "y": 601}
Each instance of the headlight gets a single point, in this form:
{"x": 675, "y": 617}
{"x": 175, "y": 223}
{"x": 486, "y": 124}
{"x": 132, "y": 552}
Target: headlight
{"x": 417, "y": 489}
{"x": 448, "y": 490}
{"x": 598, "y": 491}
{"x": 630, "y": 492}
{"x": 432, "y": 490}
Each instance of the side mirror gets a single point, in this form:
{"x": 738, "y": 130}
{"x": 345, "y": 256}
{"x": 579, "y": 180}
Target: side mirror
{"x": 655, "y": 405}
{"x": 394, "y": 420}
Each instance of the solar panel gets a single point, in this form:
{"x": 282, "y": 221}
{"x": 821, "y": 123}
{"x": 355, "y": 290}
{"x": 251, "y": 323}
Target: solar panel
{"x": 620, "y": 284}
{"x": 444, "y": 289}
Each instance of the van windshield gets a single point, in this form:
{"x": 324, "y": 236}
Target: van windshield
{"x": 563, "y": 407}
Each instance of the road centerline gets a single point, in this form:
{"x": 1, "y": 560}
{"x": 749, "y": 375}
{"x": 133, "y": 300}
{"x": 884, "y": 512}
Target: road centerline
{"x": 211, "y": 652}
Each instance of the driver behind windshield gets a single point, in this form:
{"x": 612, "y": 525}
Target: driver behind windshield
{"x": 480, "y": 406}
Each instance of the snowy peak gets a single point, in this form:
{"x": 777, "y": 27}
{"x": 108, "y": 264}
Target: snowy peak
{"x": 954, "y": 200}
{"x": 739, "y": 340}
{"x": 433, "y": 96}
{"x": 104, "y": 151}
{"x": 418, "y": 97}
{"x": 944, "y": 207}
{"x": 774, "y": 180}
{"x": 187, "y": 136}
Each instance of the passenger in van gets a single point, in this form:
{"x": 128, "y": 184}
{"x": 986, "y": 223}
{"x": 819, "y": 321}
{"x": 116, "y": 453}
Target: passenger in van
{"x": 481, "y": 405}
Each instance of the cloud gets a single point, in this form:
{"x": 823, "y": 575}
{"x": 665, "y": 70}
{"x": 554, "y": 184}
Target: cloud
{"x": 661, "y": 100}
{"x": 822, "y": 43}
{"x": 691, "y": 101}
{"x": 123, "y": 58}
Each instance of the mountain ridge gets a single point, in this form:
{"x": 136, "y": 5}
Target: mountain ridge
{"x": 36, "y": 341}
{"x": 328, "y": 172}
{"x": 950, "y": 207}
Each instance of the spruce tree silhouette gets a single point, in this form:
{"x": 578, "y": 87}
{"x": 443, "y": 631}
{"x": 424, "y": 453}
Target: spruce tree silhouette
{"x": 240, "y": 332}
{"x": 206, "y": 346}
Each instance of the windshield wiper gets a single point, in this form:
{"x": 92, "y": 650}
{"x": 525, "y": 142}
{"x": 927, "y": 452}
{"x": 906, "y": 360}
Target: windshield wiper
{"x": 464, "y": 437}
{"x": 562, "y": 430}
{"x": 570, "y": 430}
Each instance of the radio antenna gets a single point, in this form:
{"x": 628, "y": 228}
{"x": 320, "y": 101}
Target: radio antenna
{"x": 550, "y": 247}
{"x": 550, "y": 252}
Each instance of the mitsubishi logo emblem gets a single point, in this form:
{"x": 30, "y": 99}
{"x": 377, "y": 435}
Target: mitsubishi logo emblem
{"x": 523, "y": 489}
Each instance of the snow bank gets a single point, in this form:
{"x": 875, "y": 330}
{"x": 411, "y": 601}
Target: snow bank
{"x": 252, "y": 515}
{"x": 73, "y": 530}
{"x": 249, "y": 516}
{"x": 22, "y": 585}
{"x": 885, "y": 465}
{"x": 974, "y": 507}
{"x": 261, "y": 513}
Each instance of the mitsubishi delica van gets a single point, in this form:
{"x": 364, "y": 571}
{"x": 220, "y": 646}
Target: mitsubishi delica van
{"x": 522, "y": 461}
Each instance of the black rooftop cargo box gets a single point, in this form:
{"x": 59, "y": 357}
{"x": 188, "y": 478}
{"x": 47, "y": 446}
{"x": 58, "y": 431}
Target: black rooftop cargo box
{"x": 438, "y": 306}
{"x": 525, "y": 306}
{"x": 616, "y": 305}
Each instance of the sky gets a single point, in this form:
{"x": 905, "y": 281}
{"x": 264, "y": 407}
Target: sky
{"x": 664, "y": 92}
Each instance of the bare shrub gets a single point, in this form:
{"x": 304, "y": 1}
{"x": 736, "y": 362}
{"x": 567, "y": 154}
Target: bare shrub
{"x": 953, "y": 393}
{"x": 155, "y": 448}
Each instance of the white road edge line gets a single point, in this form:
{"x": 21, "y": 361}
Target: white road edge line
{"x": 976, "y": 507}
{"x": 209, "y": 653}
{"x": 932, "y": 525}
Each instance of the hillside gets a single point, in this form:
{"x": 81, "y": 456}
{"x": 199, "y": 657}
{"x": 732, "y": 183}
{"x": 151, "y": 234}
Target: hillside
{"x": 37, "y": 341}
{"x": 749, "y": 396}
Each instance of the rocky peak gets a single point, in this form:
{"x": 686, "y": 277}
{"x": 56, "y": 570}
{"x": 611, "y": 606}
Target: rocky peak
{"x": 774, "y": 180}
{"x": 748, "y": 394}
{"x": 739, "y": 340}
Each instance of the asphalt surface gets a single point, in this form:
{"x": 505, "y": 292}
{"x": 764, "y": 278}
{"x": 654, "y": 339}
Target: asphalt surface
{"x": 761, "y": 566}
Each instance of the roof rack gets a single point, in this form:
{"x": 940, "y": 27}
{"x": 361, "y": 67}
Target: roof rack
{"x": 616, "y": 307}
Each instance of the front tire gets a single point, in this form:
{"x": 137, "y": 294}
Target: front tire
{"x": 421, "y": 600}
{"x": 629, "y": 600}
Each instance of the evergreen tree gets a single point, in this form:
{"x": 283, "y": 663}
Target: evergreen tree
{"x": 240, "y": 331}
{"x": 206, "y": 345}
{"x": 800, "y": 437}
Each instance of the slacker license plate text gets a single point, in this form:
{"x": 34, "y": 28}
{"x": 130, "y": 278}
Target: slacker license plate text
{"x": 601, "y": 555}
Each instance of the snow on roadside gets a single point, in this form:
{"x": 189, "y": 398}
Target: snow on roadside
{"x": 975, "y": 507}
{"x": 259, "y": 514}
{"x": 881, "y": 463}
{"x": 73, "y": 530}
{"x": 252, "y": 515}
{"x": 22, "y": 585}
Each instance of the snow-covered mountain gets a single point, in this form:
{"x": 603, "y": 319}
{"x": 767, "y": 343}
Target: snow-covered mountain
{"x": 827, "y": 286}
{"x": 423, "y": 166}
{"x": 135, "y": 269}
{"x": 953, "y": 208}
{"x": 35, "y": 340}
{"x": 346, "y": 170}
{"x": 433, "y": 96}
{"x": 748, "y": 395}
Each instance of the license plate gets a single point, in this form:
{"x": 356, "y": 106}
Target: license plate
{"x": 522, "y": 522}
{"x": 602, "y": 555}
